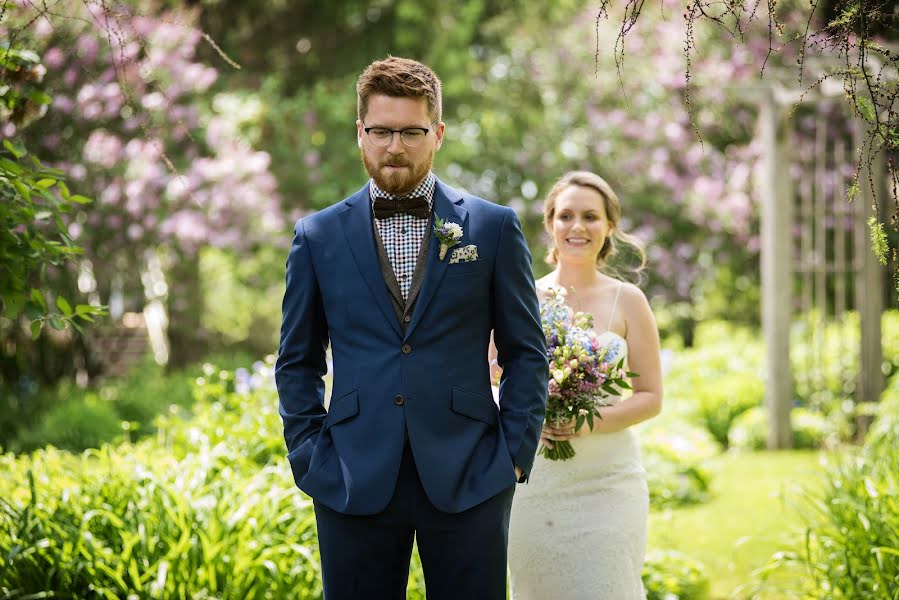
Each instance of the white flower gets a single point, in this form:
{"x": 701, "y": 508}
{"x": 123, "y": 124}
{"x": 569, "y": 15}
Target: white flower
{"x": 454, "y": 230}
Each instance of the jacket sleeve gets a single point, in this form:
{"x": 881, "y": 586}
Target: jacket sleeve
{"x": 520, "y": 345}
{"x": 301, "y": 363}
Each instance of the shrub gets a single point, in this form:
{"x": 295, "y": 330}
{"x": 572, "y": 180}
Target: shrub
{"x": 810, "y": 430}
{"x": 673, "y": 455}
{"x": 851, "y": 547}
{"x": 81, "y": 422}
{"x": 146, "y": 392}
{"x": 724, "y": 398}
{"x": 136, "y": 522}
{"x": 718, "y": 379}
{"x": 670, "y": 575}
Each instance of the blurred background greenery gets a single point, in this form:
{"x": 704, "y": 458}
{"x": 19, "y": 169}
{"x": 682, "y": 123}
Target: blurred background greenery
{"x": 180, "y": 140}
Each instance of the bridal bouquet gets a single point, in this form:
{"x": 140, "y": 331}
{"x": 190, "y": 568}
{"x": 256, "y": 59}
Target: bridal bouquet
{"x": 583, "y": 371}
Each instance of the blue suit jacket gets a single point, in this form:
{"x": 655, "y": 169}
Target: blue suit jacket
{"x": 348, "y": 458}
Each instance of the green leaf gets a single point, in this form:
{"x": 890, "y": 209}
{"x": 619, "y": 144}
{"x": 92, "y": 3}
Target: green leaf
{"x": 43, "y": 215}
{"x": 35, "y": 329}
{"x": 13, "y": 306}
{"x": 64, "y": 306}
{"x": 57, "y": 322}
{"x": 38, "y": 298}
{"x": 79, "y": 199}
{"x": 39, "y": 97}
{"x": 23, "y": 190}
{"x": 879, "y": 244}
{"x": 83, "y": 309}
{"x": 45, "y": 183}
{"x": 16, "y": 148}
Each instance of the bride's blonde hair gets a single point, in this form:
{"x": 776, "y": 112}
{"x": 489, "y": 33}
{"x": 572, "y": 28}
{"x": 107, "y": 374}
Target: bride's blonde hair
{"x": 613, "y": 213}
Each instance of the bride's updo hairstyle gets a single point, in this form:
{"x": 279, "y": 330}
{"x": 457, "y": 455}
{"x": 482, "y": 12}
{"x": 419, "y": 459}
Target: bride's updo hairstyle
{"x": 613, "y": 212}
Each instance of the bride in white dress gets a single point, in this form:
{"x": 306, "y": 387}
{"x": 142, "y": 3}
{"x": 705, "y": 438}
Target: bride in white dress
{"x": 578, "y": 527}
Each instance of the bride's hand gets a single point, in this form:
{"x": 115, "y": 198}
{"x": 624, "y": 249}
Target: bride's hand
{"x": 560, "y": 432}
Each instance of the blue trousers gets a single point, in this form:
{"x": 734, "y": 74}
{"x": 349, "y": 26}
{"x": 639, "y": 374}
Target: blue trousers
{"x": 463, "y": 555}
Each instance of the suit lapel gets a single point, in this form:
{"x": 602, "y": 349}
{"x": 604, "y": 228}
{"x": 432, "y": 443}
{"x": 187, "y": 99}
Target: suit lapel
{"x": 447, "y": 206}
{"x": 359, "y": 231}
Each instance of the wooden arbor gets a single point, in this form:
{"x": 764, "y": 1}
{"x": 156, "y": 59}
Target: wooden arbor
{"x": 816, "y": 257}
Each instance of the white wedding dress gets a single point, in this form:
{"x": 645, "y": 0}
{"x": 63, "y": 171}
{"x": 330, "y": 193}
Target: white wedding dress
{"x": 578, "y": 527}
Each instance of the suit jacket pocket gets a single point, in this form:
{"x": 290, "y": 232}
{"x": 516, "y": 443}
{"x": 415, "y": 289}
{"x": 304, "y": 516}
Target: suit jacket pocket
{"x": 299, "y": 459}
{"x": 474, "y": 406}
{"x": 343, "y": 408}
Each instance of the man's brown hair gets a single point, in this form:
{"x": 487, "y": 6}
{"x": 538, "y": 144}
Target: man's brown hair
{"x": 399, "y": 78}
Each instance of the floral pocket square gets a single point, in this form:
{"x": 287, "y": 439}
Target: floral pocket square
{"x": 465, "y": 254}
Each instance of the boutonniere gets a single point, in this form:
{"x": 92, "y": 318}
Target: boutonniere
{"x": 448, "y": 234}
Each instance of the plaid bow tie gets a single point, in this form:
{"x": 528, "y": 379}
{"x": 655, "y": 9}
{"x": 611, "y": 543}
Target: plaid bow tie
{"x": 385, "y": 208}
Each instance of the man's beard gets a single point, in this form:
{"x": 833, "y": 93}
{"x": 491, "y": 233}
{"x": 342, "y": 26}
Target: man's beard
{"x": 400, "y": 182}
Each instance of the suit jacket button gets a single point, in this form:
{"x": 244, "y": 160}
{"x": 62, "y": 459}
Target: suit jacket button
{"x": 406, "y": 348}
{"x": 407, "y": 318}
{"x": 399, "y": 400}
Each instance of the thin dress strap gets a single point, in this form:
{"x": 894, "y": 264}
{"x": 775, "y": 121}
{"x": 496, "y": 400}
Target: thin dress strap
{"x": 614, "y": 305}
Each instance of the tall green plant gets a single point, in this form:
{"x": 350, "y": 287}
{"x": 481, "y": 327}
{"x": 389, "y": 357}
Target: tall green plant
{"x": 851, "y": 547}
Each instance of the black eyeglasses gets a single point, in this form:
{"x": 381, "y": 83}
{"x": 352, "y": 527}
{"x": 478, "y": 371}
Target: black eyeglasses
{"x": 411, "y": 136}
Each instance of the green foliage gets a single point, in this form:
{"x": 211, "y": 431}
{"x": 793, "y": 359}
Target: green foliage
{"x": 242, "y": 296}
{"x": 671, "y": 575}
{"x": 851, "y": 543}
{"x": 21, "y": 98}
{"x": 248, "y": 426}
{"x": 726, "y": 398}
{"x": 852, "y": 548}
{"x": 76, "y": 424}
{"x": 879, "y": 243}
{"x": 50, "y": 414}
{"x": 34, "y": 236}
{"x": 811, "y": 430}
{"x": 717, "y": 380}
{"x": 674, "y": 452}
{"x": 720, "y": 378}
{"x": 884, "y": 428}
{"x": 146, "y": 392}
{"x": 136, "y": 521}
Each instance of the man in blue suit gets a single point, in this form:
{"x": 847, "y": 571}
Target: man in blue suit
{"x": 406, "y": 279}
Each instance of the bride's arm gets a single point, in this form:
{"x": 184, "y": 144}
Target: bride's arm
{"x": 642, "y": 336}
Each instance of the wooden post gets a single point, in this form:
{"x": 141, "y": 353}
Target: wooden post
{"x": 868, "y": 283}
{"x": 776, "y": 258}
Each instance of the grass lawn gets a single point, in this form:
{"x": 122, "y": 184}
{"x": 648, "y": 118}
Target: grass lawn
{"x": 752, "y": 514}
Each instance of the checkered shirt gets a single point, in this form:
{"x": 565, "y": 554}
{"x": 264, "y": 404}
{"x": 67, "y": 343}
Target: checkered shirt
{"x": 402, "y": 234}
